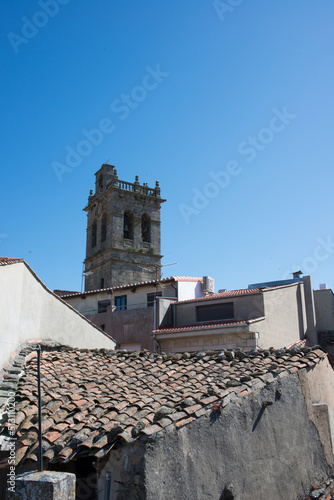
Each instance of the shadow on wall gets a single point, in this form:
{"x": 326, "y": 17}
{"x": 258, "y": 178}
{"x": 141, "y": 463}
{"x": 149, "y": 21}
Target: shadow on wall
{"x": 228, "y": 493}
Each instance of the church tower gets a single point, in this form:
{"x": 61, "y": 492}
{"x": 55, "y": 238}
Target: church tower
{"x": 123, "y": 232}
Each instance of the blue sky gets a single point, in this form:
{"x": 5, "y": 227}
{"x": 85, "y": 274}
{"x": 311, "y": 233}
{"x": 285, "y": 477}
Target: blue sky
{"x": 230, "y": 106}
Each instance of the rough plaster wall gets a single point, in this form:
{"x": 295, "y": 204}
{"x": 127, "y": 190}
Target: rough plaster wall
{"x": 318, "y": 388}
{"x": 265, "y": 453}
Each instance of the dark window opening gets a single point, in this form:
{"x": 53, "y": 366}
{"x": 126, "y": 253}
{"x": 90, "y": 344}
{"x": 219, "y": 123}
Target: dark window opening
{"x": 128, "y": 225}
{"x": 94, "y": 233}
{"x": 102, "y": 283}
{"x": 146, "y": 228}
{"x": 215, "y": 312}
{"x": 151, "y": 297}
{"x": 103, "y": 327}
{"x": 104, "y": 228}
{"x": 102, "y": 306}
{"x": 120, "y": 303}
{"x": 101, "y": 181}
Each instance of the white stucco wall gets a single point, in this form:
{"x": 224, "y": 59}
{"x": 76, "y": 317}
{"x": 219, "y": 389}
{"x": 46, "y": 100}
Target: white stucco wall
{"x": 189, "y": 290}
{"x": 29, "y": 311}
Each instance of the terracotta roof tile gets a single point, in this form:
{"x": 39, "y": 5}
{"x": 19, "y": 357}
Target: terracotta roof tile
{"x": 227, "y": 294}
{"x": 209, "y": 325}
{"x": 5, "y": 261}
{"x": 66, "y": 293}
{"x": 89, "y": 414}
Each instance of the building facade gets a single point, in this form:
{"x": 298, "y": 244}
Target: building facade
{"x": 131, "y": 312}
{"x": 123, "y": 232}
{"x": 273, "y": 314}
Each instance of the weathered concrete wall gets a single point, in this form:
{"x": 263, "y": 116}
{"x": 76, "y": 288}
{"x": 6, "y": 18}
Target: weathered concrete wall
{"x": 324, "y": 309}
{"x": 29, "y": 311}
{"x": 128, "y": 327}
{"x": 285, "y": 321}
{"x": 265, "y": 446}
{"x": 206, "y": 340}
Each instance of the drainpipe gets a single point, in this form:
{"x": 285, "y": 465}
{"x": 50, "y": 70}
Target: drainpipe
{"x": 107, "y": 486}
{"x": 155, "y": 314}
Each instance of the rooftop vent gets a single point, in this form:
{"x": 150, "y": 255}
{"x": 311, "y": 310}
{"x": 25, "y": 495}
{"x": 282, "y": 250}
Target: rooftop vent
{"x": 322, "y": 286}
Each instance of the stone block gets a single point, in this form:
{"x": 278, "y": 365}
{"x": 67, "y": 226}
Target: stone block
{"x": 46, "y": 485}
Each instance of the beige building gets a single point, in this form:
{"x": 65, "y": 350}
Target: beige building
{"x": 131, "y": 312}
{"x": 265, "y": 316}
{"x": 30, "y": 311}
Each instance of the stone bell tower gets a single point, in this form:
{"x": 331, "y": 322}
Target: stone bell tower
{"x": 123, "y": 232}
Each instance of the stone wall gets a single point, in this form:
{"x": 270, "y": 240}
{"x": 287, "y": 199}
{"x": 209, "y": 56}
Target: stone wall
{"x": 117, "y": 261}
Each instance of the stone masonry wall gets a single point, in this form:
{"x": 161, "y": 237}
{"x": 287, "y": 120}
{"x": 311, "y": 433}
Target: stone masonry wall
{"x": 118, "y": 261}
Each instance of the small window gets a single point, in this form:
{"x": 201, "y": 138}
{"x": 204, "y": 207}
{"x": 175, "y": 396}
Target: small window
{"x": 120, "y": 303}
{"x": 101, "y": 181}
{"x": 103, "y": 306}
{"x": 215, "y": 312}
{"x": 103, "y": 327}
{"x": 128, "y": 225}
{"x": 146, "y": 228}
{"x": 104, "y": 228}
{"x": 102, "y": 283}
{"x": 151, "y": 297}
{"x": 94, "y": 233}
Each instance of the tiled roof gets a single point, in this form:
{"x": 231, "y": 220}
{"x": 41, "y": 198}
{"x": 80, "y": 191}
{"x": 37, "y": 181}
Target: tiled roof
{"x": 4, "y": 261}
{"x": 231, "y": 293}
{"x": 208, "y": 325}
{"x": 65, "y": 293}
{"x": 93, "y": 399}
